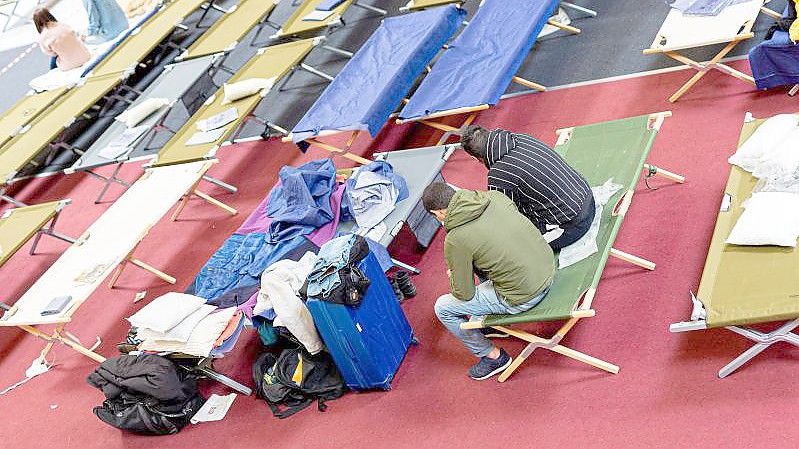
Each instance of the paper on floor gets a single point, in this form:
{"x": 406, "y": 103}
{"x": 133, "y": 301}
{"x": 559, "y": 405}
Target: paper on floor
{"x": 214, "y": 409}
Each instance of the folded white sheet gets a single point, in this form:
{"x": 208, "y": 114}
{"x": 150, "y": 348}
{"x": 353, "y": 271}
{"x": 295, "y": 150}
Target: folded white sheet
{"x": 166, "y": 312}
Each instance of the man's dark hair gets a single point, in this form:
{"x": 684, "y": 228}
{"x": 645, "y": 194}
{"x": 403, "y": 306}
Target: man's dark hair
{"x": 474, "y": 139}
{"x": 41, "y": 18}
{"x": 437, "y": 196}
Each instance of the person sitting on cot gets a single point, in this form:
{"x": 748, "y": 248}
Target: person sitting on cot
{"x": 546, "y": 190}
{"x": 59, "y": 41}
{"x": 485, "y": 233}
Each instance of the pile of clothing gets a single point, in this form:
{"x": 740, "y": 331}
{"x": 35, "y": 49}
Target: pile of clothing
{"x": 261, "y": 267}
{"x": 703, "y": 7}
{"x": 145, "y": 394}
{"x": 180, "y": 323}
{"x": 771, "y": 154}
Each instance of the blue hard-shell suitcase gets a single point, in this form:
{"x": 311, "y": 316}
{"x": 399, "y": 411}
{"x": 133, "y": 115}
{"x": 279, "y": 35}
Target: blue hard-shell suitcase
{"x": 367, "y": 342}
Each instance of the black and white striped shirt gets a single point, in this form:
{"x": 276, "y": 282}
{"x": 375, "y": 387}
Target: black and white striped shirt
{"x": 543, "y": 186}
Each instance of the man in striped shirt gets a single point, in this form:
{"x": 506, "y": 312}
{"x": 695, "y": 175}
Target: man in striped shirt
{"x": 545, "y": 189}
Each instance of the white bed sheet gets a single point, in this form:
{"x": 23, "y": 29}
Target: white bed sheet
{"x": 682, "y": 31}
{"x": 107, "y": 242}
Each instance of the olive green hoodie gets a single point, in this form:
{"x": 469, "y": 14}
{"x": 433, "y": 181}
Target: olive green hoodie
{"x": 485, "y": 231}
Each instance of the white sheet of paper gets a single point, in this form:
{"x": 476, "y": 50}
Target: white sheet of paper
{"x": 122, "y": 143}
{"x": 317, "y": 16}
{"x": 219, "y": 120}
{"x": 214, "y": 409}
{"x": 200, "y": 137}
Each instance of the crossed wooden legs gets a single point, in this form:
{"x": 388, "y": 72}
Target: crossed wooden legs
{"x": 552, "y": 344}
{"x": 59, "y": 335}
{"x": 703, "y": 68}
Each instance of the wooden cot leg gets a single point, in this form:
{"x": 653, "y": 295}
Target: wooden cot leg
{"x": 527, "y": 83}
{"x": 569, "y": 28}
{"x": 51, "y": 339}
{"x": 336, "y": 150}
{"x": 181, "y": 205}
{"x": 585, "y": 358}
{"x": 635, "y": 260}
{"x": 117, "y": 273}
{"x": 664, "y": 173}
{"x": 149, "y": 268}
{"x": 517, "y": 362}
{"x": 703, "y": 68}
{"x": 215, "y": 202}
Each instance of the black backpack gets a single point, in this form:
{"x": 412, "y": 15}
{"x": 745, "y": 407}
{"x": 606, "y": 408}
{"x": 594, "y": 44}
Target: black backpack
{"x": 291, "y": 381}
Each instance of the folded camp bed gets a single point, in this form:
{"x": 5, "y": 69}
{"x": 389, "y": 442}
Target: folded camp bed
{"x": 618, "y": 150}
{"x": 131, "y": 51}
{"x": 420, "y": 167}
{"x": 37, "y": 136}
{"x": 172, "y": 84}
{"x": 479, "y": 65}
{"x": 374, "y": 82}
{"x": 681, "y": 32}
{"x": 25, "y": 110}
{"x": 104, "y": 249}
{"x": 19, "y": 225}
{"x": 297, "y": 25}
{"x": 745, "y": 285}
{"x": 274, "y": 63}
{"x": 226, "y": 33}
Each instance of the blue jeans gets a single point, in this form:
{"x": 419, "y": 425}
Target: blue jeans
{"x": 486, "y": 301}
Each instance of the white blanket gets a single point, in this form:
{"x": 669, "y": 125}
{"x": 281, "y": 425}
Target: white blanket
{"x": 279, "y": 286}
{"x": 85, "y": 264}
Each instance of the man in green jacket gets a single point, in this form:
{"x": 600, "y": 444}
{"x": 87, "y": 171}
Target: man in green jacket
{"x": 486, "y": 234}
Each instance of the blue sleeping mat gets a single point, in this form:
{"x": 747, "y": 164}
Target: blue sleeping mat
{"x": 369, "y": 341}
{"x": 374, "y": 81}
{"x": 482, "y": 61}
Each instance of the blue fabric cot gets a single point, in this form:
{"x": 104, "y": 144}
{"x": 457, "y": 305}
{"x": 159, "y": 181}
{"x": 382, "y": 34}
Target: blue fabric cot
{"x": 481, "y": 63}
{"x": 381, "y": 73}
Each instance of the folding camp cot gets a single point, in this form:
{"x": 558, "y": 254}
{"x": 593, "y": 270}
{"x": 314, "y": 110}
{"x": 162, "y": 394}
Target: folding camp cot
{"x": 225, "y": 34}
{"x": 374, "y": 82}
{"x": 104, "y": 249}
{"x": 21, "y": 150}
{"x": 479, "y": 65}
{"x": 172, "y": 84}
{"x": 274, "y": 63}
{"x": 11, "y": 13}
{"x": 682, "y": 32}
{"x": 745, "y": 285}
{"x": 616, "y": 149}
{"x": 420, "y": 167}
{"x": 300, "y": 24}
{"x": 25, "y": 110}
{"x": 19, "y": 225}
{"x": 414, "y": 5}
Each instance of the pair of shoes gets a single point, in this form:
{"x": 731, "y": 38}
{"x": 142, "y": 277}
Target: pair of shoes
{"x": 490, "y": 332}
{"x": 487, "y": 367}
{"x": 403, "y": 279}
{"x": 397, "y": 290}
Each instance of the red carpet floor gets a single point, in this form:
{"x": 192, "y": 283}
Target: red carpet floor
{"x": 666, "y": 395}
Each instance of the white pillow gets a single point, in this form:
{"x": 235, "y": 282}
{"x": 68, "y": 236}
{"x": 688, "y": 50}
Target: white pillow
{"x": 166, "y": 312}
{"x": 245, "y": 88}
{"x": 765, "y": 139}
{"x": 769, "y": 218}
{"x": 133, "y": 116}
{"x": 781, "y": 161}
